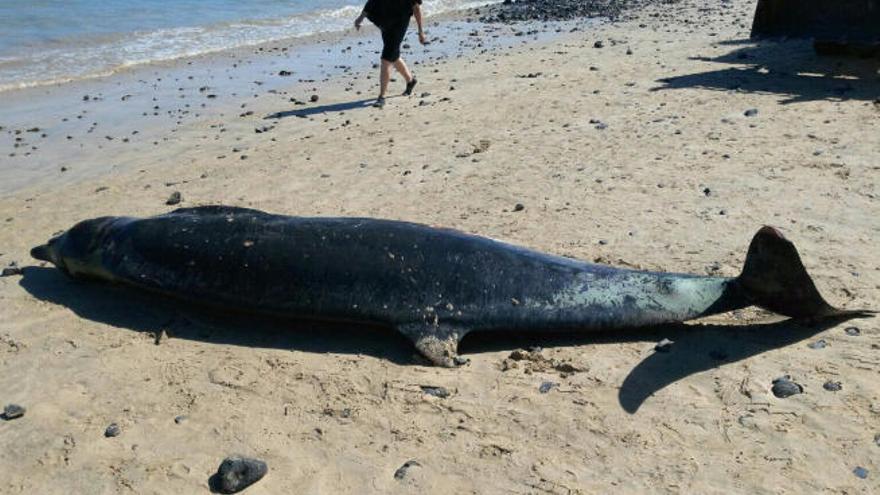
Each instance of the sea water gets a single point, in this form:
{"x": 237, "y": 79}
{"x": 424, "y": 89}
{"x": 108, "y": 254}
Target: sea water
{"x": 51, "y": 41}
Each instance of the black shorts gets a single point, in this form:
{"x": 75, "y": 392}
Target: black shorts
{"x": 392, "y": 37}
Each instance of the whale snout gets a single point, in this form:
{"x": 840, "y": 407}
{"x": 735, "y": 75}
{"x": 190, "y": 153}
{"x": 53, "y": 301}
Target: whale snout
{"x": 42, "y": 253}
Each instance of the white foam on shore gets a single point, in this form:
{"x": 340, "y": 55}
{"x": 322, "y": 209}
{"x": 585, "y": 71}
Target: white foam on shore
{"x": 105, "y": 56}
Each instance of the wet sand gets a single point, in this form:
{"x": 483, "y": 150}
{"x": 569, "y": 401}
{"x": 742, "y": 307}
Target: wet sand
{"x": 664, "y": 147}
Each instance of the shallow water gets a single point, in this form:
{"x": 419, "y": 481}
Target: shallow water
{"x": 46, "y": 41}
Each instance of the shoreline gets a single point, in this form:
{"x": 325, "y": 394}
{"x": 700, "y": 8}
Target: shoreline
{"x": 80, "y": 121}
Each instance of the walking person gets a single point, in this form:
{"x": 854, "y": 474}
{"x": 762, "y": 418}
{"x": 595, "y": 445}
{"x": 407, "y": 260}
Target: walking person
{"x": 392, "y": 18}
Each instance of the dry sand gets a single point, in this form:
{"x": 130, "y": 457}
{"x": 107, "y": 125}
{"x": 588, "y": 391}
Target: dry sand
{"x": 677, "y": 180}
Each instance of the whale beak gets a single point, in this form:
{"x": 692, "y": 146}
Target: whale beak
{"x": 42, "y": 253}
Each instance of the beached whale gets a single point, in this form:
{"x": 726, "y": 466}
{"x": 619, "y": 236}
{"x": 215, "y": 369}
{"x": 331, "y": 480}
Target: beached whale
{"x": 433, "y": 285}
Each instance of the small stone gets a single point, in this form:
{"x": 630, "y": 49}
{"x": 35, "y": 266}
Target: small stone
{"x": 285, "y": 73}
{"x": 832, "y": 386}
{"x": 440, "y": 392}
{"x": 819, "y": 344}
{"x": 519, "y": 207}
{"x": 112, "y": 431}
{"x": 783, "y": 387}
{"x": 599, "y": 44}
{"x": 664, "y": 345}
{"x": 751, "y": 112}
{"x": 313, "y": 98}
{"x": 401, "y": 471}
{"x": 237, "y": 473}
{"x": 13, "y": 411}
{"x": 179, "y": 419}
{"x": 546, "y": 387}
{"x": 852, "y": 331}
{"x": 10, "y": 271}
{"x": 174, "y": 199}
{"x": 877, "y": 439}
{"x": 860, "y": 472}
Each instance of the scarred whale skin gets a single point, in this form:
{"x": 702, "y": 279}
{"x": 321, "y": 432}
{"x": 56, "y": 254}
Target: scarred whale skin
{"x": 433, "y": 285}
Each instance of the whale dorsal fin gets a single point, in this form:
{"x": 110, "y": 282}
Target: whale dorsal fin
{"x": 436, "y": 341}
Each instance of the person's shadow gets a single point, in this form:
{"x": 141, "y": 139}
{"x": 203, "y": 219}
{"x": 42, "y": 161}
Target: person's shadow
{"x": 696, "y": 348}
{"x": 329, "y": 108}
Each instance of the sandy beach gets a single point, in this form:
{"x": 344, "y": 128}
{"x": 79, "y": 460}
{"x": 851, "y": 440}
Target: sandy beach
{"x": 660, "y": 142}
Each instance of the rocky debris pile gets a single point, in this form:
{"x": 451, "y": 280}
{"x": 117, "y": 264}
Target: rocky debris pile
{"x": 559, "y": 10}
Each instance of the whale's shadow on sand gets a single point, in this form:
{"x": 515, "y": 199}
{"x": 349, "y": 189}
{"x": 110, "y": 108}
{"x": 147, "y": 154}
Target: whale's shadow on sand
{"x": 698, "y": 347}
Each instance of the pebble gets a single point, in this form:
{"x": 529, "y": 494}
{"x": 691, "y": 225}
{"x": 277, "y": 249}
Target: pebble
{"x": 174, "y": 199}
{"x": 179, "y": 419}
{"x": 860, "y": 472}
{"x": 599, "y": 44}
{"x": 237, "y": 473}
{"x": 664, "y": 345}
{"x": 112, "y": 431}
{"x": 13, "y": 411}
{"x": 12, "y": 269}
{"x": 819, "y": 344}
{"x": 401, "y": 471}
{"x": 832, "y": 386}
{"x": 783, "y": 387}
{"x": 751, "y": 112}
{"x": 546, "y": 387}
{"x": 313, "y": 98}
{"x": 440, "y": 392}
{"x": 519, "y": 207}
{"x": 852, "y": 331}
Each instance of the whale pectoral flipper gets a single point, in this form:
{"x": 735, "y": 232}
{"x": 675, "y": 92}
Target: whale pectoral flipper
{"x": 437, "y": 342}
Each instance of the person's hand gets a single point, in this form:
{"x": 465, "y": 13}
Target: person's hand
{"x": 422, "y": 39}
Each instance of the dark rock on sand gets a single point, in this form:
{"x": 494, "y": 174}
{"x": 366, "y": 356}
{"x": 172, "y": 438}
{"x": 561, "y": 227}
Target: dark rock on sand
{"x": 174, "y": 199}
{"x": 440, "y": 392}
{"x": 852, "y": 331}
{"x": 519, "y": 207}
{"x": 546, "y": 387}
{"x": 13, "y": 411}
{"x": 112, "y": 431}
{"x": 751, "y": 112}
{"x": 819, "y": 344}
{"x": 237, "y": 473}
{"x": 832, "y": 386}
{"x": 783, "y": 387}
{"x": 860, "y": 472}
{"x": 401, "y": 471}
{"x": 12, "y": 269}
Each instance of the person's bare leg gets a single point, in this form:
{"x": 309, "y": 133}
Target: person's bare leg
{"x": 384, "y": 77}
{"x": 401, "y": 67}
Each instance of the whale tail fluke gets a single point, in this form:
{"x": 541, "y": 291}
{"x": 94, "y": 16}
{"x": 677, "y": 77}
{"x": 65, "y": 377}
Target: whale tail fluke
{"x": 774, "y": 278}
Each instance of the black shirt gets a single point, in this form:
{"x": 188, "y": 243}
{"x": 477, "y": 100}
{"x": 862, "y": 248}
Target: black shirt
{"x": 386, "y": 13}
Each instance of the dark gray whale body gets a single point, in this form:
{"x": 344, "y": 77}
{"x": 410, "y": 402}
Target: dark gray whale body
{"x": 433, "y": 285}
